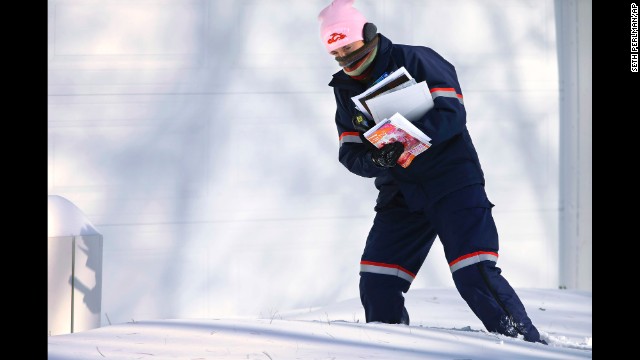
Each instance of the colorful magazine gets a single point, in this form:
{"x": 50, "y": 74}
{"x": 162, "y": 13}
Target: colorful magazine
{"x": 398, "y": 128}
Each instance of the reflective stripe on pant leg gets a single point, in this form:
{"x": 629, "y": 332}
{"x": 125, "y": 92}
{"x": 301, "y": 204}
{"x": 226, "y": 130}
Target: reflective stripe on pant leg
{"x": 473, "y": 258}
{"x": 397, "y": 244}
{"x": 387, "y": 269}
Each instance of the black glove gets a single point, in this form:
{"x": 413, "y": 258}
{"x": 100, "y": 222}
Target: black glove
{"x": 361, "y": 123}
{"x": 388, "y": 155}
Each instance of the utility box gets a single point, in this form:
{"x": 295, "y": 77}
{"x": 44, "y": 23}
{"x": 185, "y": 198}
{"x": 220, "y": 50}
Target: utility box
{"x": 74, "y": 269}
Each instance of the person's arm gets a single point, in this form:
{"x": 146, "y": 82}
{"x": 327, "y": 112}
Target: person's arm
{"x": 448, "y": 116}
{"x": 355, "y": 151}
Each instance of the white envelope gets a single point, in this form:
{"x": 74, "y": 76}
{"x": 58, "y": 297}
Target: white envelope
{"x": 412, "y": 102}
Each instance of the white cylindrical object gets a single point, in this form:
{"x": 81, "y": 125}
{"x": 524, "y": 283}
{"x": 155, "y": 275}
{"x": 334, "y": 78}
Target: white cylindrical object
{"x": 74, "y": 276}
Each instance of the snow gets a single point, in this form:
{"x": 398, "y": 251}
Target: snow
{"x": 442, "y": 327}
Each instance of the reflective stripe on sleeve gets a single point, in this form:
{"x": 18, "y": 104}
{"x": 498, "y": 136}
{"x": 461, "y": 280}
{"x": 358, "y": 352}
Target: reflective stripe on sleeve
{"x": 446, "y": 92}
{"x": 386, "y": 269}
{"x": 471, "y": 259}
{"x": 352, "y": 137}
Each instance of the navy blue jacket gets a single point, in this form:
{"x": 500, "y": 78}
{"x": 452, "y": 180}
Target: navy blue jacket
{"x": 449, "y": 164}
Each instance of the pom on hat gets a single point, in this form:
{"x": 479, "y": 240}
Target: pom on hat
{"x": 340, "y": 24}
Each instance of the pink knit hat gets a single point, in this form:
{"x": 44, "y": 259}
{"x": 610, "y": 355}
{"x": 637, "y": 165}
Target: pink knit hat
{"x": 340, "y": 24}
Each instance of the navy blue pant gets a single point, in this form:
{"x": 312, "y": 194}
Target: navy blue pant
{"x": 400, "y": 240}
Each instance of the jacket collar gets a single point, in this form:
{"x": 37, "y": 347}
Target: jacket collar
{"x": 380, "y": 64}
